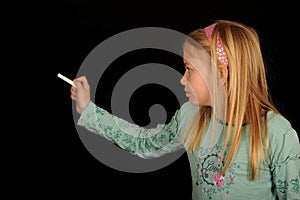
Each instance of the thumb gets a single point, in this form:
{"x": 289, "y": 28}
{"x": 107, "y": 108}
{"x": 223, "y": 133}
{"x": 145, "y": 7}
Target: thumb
{"x": 82, "y": 82}
{"x": 77, "y": 83}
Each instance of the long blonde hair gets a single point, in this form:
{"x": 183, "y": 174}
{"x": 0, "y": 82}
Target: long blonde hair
{"x": 247, "y": 95}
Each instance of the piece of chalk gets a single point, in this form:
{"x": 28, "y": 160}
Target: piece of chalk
{"x": 66, "y": 79}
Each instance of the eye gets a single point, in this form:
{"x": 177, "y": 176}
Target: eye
{"x": 187, "y": 68}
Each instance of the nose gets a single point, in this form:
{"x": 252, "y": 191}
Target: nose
{"x": 183, "y": 80}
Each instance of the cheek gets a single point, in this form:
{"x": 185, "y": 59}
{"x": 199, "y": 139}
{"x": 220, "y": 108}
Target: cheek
{"x": 201, "y": 92}
{"x": 199, "y": 86}
{"x": 203, "y": 88}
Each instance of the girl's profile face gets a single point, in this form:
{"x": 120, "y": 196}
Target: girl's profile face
{"x": 194, "y": 84}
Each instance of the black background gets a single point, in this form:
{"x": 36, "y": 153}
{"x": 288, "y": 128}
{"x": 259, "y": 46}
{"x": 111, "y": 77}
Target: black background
{"x": 42, "y": 153}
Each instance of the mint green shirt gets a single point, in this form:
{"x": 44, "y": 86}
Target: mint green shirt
{"x": 279, "y": 175}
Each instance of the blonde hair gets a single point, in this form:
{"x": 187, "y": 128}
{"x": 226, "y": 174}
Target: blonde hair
{"x": 247, "y": 96}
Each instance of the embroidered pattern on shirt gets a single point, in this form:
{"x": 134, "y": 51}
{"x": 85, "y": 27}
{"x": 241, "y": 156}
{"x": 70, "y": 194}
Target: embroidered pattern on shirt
{"x": 208, "y": 173}
{"x": 117, "y": 132}
{"x": 292, "y": 185}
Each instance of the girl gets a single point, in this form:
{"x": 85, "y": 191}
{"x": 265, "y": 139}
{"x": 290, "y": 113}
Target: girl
{"x": 238, "y": 144}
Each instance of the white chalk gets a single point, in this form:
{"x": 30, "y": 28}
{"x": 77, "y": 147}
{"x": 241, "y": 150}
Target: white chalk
{"x": 66, "y": 79}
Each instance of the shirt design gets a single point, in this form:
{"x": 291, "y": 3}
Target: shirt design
{"x": 147, "y": 141}
{"x": 292, "y": 185}
{"x": 208, "y": 172}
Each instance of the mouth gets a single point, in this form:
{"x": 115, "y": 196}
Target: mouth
{"x": 187, "y": 93}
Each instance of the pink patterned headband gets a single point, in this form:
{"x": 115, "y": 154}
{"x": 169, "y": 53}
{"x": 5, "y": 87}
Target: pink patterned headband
{"x": 220, "y": 50}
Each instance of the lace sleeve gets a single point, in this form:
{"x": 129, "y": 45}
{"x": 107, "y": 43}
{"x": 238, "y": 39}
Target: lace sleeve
{"x": 286, "y": 166}
{"x": 145, "y": 143}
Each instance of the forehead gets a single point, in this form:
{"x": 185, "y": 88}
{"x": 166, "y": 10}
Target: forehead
{"x": 195, "y": 55}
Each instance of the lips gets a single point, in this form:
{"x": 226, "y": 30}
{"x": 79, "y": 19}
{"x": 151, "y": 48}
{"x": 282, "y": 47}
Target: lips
{"x": 186, "y": 90}
{"x": 187, "y": 93}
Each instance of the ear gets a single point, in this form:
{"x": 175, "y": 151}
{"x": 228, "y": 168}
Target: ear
{"x": 223, "y": 73}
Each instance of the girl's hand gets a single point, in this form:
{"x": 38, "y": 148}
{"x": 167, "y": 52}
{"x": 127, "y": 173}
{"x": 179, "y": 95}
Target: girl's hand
{"x": 81, "y": 94}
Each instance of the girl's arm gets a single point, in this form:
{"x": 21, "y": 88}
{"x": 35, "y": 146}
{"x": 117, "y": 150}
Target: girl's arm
{"x": 145, "y": 143}
{"x": 286, "y": 165}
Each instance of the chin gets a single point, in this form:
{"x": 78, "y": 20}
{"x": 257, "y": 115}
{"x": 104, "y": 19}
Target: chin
{"x": 193, "y": 102}
{"x": 197, "y": 103}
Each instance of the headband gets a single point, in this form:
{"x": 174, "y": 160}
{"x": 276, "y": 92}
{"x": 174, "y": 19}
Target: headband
{"x": 220, "y": 50}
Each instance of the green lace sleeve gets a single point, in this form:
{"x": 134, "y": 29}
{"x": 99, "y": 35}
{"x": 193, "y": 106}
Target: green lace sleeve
{"x": 145, "y": 143}
{"x": 286, "y": 166}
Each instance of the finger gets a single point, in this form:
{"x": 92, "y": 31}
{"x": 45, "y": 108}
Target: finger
{"x": 74, "y": 93}
{"x": 78, "y": 83}
{"x": 83, "y": 81}
{"x": 73, "y": 89}
{"x": 73, "y": 97}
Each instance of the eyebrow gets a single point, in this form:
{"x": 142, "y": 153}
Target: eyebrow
{"x": 185, "y": 62}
